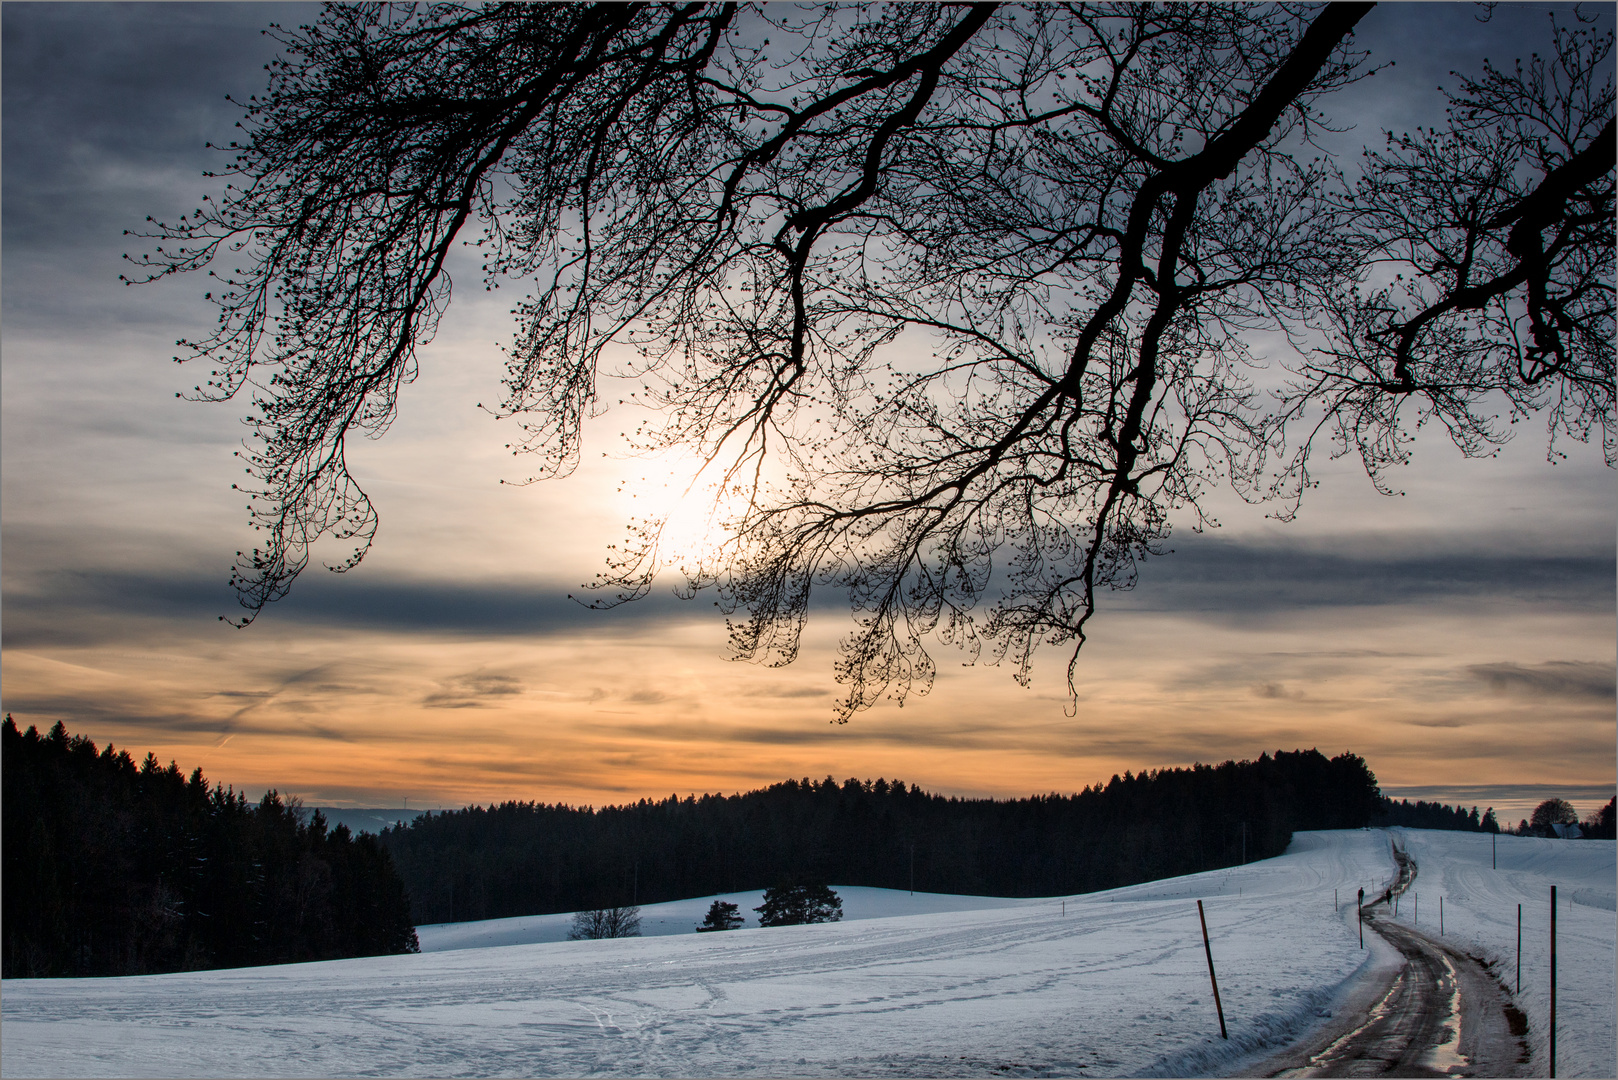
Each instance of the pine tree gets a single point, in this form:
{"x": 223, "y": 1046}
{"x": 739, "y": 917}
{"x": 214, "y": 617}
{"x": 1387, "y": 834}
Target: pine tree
{"x": 722, "y": 915}
{"x": 795, "y": 904}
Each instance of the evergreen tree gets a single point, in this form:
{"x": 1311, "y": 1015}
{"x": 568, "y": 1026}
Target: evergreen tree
{"x": 722, "y": 915}
{"x": 1600, "y": 824}
{"x": 799, "y": 903}
{"x": 113, "y": 868}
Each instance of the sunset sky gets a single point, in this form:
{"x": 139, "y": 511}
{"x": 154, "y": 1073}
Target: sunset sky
{"x": 1460, "y": 636}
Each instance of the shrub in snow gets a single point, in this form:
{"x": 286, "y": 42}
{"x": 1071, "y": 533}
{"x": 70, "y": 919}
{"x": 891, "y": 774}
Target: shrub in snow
{"x": 605, "y": 923}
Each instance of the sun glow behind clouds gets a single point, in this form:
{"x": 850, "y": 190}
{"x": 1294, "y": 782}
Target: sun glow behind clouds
{"x": 684, "y": 512}
{"x": 681, "y": 512}
{"x": 675, "y": 521}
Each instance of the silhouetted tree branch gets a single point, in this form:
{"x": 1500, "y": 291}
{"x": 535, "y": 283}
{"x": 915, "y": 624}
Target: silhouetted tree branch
{"x": 950, "y": 302}
{"x": 1488, "y": 268}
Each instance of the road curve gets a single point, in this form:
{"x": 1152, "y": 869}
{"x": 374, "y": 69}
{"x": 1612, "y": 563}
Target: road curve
{"x": 1440, "y": 1013}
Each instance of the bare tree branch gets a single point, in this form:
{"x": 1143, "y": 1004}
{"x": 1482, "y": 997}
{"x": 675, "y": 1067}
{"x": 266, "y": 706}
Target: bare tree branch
{"x": 949, "y": 302}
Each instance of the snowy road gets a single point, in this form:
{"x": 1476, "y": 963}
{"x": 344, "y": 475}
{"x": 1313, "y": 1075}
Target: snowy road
{"x": 1480, "y": 888}
{"x": 1440, "y": 1015}
{"x": 1117, "y": 986}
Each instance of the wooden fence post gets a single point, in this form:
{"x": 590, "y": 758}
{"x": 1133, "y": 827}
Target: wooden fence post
{"x": 1208, "y": 949}
{"x": 1553, "y": 982}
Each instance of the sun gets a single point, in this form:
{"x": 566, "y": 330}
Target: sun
{"x": 673, "y": 512}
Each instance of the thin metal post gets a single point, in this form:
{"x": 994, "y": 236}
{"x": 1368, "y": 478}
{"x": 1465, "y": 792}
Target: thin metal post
{"x": 1212, "y": 978}
{"x": 1360, "y": 910}
{"x": 1553, "y": 982}
{"x": 1494, "y": 857}
{"x": 1519, "y": 948}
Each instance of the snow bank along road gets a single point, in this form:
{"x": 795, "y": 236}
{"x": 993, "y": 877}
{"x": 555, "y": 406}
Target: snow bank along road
{"x": 1117, "y": 986}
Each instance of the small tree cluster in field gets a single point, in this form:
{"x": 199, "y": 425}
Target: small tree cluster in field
{"x": 1599, "y": 824}
{"x": 793, "y": 905}
{"x": 1554, "y": 812}
{"x": 722, "y": 915}
{"x": 605, "y": 923}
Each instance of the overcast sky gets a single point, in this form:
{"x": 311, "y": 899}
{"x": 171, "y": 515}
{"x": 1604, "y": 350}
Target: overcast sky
{"x": 1461, "y": 636}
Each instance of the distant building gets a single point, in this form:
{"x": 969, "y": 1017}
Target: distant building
{"x": 1567, "y": 832}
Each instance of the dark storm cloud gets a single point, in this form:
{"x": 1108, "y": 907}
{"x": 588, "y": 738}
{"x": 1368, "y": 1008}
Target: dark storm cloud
{"x": 1215, "y": 580}
{"x": 1555, "y": 678}
{"x": 81, "y": 608}
{"x": 104, "y": 75}
{"x": 1244, "y": 580}
{"x": 104, "y": 124}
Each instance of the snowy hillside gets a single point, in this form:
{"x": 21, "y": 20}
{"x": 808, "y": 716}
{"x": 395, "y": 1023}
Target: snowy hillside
{"x": 1117, "y": 986}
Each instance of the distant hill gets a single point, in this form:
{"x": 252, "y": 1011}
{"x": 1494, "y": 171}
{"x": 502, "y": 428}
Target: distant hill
{"x": 367, "y": 819}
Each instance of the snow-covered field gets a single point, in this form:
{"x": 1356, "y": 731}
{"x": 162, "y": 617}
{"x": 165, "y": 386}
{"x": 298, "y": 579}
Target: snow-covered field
{"x": 1480, "y": 915}
{"x": 915, "y": 986}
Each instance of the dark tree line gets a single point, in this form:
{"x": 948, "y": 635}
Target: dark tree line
{"x": 1602, "y": 824}
{"x": 1432, "y": 815}
{"x": 522, "y": 858}
{"x": 1597, "y": 825}
{"x": 114, "y": 868}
